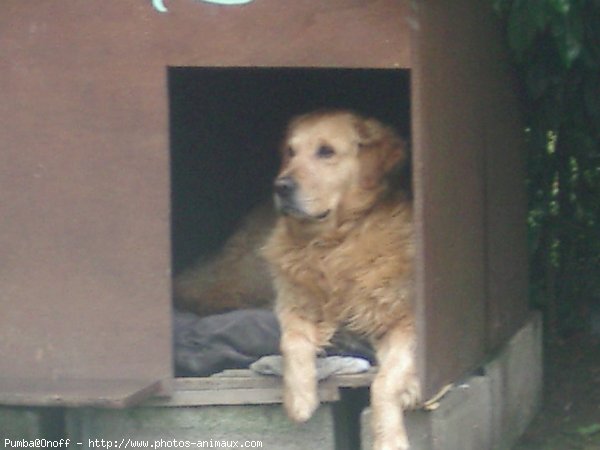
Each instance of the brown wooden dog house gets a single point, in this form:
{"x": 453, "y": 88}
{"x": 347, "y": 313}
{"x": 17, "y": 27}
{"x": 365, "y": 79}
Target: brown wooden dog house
{"x": 97, "y": 119}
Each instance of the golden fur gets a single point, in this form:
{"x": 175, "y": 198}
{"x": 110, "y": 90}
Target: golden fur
{"x": 341, "y": 254}
{"x": 236, "y": 277}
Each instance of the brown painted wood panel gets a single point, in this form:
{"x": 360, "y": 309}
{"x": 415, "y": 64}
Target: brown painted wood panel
{"x": 76, "y": 392}
{"x": 506, "y": 212}
{"x": 84, "y": 166}
{"x": 303, "y": 33}
{"x": 469, "y": 183}
{"x": 85, "y": 284}
{"x": 449, "y": 190}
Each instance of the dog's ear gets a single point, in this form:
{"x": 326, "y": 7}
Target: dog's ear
{"x": 381, "y": 151}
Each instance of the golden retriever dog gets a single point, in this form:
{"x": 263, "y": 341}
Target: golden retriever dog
{"x": 341, "y": 254}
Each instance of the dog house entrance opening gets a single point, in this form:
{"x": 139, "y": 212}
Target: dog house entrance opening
{"x": 226, "y": 125}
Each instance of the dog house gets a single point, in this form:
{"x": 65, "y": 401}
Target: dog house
{"x": 115, "y": 118}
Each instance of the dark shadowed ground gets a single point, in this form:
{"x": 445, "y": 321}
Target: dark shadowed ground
{"x": 570, "y": 416}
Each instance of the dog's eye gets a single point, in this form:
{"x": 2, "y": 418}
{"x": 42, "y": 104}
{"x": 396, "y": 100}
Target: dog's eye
{"x": 325, "y": 151}
{"x": 290, "y": 152}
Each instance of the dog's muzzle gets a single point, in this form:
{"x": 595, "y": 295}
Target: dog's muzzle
{"x": 286, "y": 189}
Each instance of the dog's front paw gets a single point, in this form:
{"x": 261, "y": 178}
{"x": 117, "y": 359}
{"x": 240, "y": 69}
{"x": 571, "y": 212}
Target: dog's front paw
{"x": 300, "y": 406}
{"x": 410, "y": 396}
{"x": 391, "y": 443}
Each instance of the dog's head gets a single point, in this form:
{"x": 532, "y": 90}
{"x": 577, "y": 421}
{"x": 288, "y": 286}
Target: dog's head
{"x": 334, "y": 161}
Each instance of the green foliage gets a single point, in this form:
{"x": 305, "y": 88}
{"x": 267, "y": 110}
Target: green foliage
{"x": 589, "y": 430}
{"x": 556, "y": 47}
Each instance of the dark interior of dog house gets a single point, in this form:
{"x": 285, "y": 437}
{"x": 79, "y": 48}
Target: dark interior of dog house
{"x": 225, "y": 128}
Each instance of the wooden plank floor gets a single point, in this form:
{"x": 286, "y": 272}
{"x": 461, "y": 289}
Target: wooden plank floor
{"x": 238, "y": 387}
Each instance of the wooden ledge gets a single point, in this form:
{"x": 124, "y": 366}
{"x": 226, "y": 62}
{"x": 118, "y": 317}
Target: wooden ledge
{"x": 245, "y": 387}
{"x": 76, "y": 392}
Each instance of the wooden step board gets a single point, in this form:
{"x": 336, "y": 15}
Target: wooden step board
{"x": 245, "y": 387}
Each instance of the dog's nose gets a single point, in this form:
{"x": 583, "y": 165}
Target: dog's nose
{"x": 284, "y": 186}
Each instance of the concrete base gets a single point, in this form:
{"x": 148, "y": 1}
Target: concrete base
{"x": 488, "y": 411}
{"x": 29, "y": 423}
{"x": 266, "y": 424}
{"x": 516, "y": 383}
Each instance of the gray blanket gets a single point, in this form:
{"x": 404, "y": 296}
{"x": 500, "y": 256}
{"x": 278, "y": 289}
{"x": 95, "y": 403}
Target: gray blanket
{"x": 234, "y": 340}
